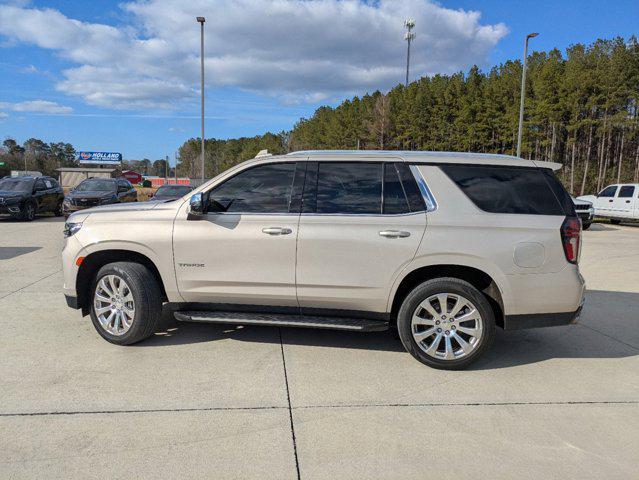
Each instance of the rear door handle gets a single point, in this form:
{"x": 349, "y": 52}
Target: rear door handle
{"x": 277, "y": 231}
{"x": 610, "y": 200}
{"x": 394, "y": 234}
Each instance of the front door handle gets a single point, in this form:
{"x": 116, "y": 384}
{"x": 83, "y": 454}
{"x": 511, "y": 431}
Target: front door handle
{"x": 394, "y": 234}
{"x": 610, "y": 200}
{"x": 277, "y": 231}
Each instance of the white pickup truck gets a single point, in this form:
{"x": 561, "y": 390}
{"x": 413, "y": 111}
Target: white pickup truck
{"x": 616, "y": 202}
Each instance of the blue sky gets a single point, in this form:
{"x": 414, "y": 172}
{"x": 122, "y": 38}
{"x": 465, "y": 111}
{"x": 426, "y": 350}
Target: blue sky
{"x": 113, "y": 76}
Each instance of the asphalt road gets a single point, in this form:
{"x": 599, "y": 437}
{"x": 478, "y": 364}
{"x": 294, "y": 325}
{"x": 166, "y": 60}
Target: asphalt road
{"x": 202, "y": 401}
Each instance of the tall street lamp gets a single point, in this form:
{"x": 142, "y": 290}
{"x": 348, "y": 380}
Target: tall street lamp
{"x": 523, "y": 93}
{"x": 409, "y": 24}
{"x": 201, "y": 21}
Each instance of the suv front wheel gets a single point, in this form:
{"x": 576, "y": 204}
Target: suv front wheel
{"x": 446, "y": 323}
{"x": 126, "y": 303}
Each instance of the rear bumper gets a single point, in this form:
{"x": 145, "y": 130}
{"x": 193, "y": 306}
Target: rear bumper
{"x": 539, "y": 320}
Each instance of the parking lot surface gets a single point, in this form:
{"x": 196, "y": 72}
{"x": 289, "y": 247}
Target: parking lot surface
{"x": 204, "y": 401}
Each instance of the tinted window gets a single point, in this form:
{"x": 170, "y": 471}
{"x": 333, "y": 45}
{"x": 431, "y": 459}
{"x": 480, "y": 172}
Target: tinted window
{"x": 394, "y": 198}
{"x": 354, "y": 188}
{"x": 560, "y": 192}
{"x": 47, "y": 183}
{"x": 39, "y": 185}
{"x": 608, "y": 191}
{"x": 16, "y": 185}
{"x": 54, "y": 183}
{"x": 415, "y": 198}
{"x": 96, "y": 185}
{"x": 506, "y": 189}
{"x": 626, "y": 192}
{"x": 263, "y": 189}
{"x": 172, "y": 190}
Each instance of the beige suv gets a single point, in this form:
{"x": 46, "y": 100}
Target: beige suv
{"x": 444, "y": 246}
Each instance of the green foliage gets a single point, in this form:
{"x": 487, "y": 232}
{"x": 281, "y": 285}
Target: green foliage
{"x": 587, "y": 97}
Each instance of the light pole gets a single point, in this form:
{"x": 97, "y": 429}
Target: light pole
{"x": 409, "y": 24}
{"x": 523, "y": 93}
{"x": 201, "y": 21}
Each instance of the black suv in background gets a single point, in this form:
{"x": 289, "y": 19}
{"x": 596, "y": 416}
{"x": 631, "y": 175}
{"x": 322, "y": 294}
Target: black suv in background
{"x": 98, "y": 191}
{"x": 24, "y": 197}
{"x": 171, "y": 192}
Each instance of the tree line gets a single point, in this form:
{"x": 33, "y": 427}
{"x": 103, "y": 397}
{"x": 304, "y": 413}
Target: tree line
{"x": 37, "y": 155}
{"x": 581, "y": 110}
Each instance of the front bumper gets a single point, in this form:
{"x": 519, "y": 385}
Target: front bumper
{"x": 72, "y": 301}
{"x": 586, "y": 216}
{"x": 10, "y": 209}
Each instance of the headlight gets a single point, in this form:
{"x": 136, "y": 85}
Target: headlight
{"x": 66, "y": 201}
{"x": 71, "y": 228}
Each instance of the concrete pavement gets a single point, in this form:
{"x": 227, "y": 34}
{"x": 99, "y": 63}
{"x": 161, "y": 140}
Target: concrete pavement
{"x": 203, "y": 401}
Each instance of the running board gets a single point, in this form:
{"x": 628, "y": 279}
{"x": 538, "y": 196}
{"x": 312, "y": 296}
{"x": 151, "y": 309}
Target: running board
{"x": 283, "y": 320}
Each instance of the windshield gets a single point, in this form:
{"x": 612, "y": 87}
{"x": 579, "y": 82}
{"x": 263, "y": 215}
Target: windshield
{"x": 96, "y": 186}
{"x": 172, "y": 190}
{"x": 16, "y": 185}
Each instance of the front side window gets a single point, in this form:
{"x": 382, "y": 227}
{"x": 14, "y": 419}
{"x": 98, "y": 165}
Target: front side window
{"x": 263, "y": 189}
{"x": 626, "y": 192}
{"x": 349, "y": 188}
{"x": 608, "y": 192}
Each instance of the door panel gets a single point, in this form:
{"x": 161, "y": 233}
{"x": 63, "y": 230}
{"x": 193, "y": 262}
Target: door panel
{"x": 344, "y": 262}
{"x": 227, "y": 258}
{"x": 243, "y": 251}
{"x": 623, "y": 204}
{"x": 604, "y": 201}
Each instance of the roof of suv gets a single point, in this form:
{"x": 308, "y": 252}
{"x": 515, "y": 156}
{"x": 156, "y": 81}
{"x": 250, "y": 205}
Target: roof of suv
{"x": 425, "y": 156}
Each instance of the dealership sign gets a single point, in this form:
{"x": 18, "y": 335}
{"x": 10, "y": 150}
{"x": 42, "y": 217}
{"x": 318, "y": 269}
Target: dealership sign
{"x": 110, "y": 158}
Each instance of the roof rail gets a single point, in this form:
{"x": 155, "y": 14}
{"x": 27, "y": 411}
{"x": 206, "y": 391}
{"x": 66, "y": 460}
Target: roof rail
{"x": 263, "y": 153}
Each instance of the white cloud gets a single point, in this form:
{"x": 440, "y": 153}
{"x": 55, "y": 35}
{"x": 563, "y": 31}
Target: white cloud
{"x": 293, "y": 50}
{"x": 37, "y": 106}
{"x": 3, "y": 115}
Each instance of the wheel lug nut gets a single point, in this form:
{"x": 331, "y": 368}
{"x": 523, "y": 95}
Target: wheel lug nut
{"x": 437, "y": 322}
{"x": 439, "y": 330}
{"x": 447, "y": 332}
{"x": 453, "y": 327}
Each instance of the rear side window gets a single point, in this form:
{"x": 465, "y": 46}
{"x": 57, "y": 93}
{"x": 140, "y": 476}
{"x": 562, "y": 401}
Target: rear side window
{"x": 498, "y": 189}
{"x": 394, "y": 198}
{"x": 349, "y": 188}
{"x": 626, "y": 192}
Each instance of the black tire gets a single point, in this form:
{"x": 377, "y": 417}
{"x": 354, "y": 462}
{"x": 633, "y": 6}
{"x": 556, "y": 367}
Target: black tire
{"x": 146, "y": 295}
{"x": 445, "y": 285}
{"x": 58, "y": 209}
{"x": 615, "y": 221}
{"x": 586, "y": 225}
{"x": 29, "y": 212}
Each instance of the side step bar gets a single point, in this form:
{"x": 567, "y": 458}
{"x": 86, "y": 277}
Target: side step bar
{"x": 283, "y": 320}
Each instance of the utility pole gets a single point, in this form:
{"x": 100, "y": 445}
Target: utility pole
{"x": 523, "y": 93}
{"x": 201, "y": 21}
{"x": 166, "y": 169}
{"x": 409, "y": 24}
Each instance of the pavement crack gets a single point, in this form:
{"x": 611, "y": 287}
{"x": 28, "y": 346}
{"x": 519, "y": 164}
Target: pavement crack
{"x": 610, "y": 337}
{"x": 134, "y": 411}
{"x": 290, "y": 409}
{"x": 30, "y": 284}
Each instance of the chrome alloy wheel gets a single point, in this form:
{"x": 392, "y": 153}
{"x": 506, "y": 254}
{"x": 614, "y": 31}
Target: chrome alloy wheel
{"x": 447, "y": 326}
{"x": 113, "y": 305}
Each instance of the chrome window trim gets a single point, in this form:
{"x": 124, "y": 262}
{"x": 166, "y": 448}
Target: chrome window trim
{"x": 429, "y": 199}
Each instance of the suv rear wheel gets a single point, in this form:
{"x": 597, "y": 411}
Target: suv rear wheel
{"x": 446, "y": 323}
{"x": 126, "y": 304}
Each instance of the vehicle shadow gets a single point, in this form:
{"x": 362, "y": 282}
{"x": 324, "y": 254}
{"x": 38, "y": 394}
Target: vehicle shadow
{"x": 511, "y": 348}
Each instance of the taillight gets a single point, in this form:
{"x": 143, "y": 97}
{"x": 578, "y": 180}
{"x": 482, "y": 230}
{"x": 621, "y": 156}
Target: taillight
{"x": 571, "y": 238}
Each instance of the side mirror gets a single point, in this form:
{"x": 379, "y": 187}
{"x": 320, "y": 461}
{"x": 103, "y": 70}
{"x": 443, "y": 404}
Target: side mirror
{"x": 196, "y": 206}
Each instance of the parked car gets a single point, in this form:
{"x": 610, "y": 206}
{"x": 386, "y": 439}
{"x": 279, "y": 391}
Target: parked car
{"x": 442, "y": 246}
{"x": 171, "y": 192}
{"x": 616, "y": 202}
{"x": 25, "y": 197}
{"x": 96, "y": 191}
{"x": 585, "y": 211}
